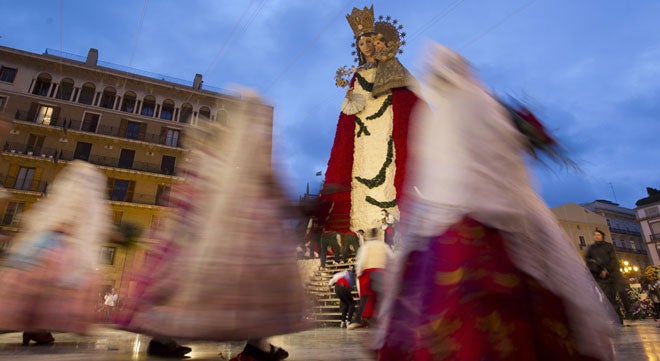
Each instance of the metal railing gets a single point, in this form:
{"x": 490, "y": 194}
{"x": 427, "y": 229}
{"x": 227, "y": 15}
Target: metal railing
{"x": 67, "y": 124}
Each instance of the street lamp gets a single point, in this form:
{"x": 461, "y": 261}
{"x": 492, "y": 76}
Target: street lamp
{"x": 628, "y": 269}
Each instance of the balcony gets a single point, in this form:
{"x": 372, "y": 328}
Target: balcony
{"x": 54, "y": 155}
{"x": 24, "y": 149}
{"x": 34, "y": 187}
{"x": 66, "y": 124}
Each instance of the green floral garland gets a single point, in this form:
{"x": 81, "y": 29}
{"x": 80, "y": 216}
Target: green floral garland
{"x": 383, "y": 107}
{"x": 380, "y": 177}
{"x": 364, "y": 83}
{"x": 388, "y": 204}
{"x": 363, "y": 127}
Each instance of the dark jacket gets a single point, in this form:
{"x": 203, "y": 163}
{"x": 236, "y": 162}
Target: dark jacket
{"x": 600, "y": 256}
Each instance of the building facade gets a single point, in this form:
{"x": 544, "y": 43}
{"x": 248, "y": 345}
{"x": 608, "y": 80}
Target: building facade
{"x": 579, "y": 222}
{"x": 648, "y": 216}
{"x": 625, "y": 231}
{"x": 131, "y": 124}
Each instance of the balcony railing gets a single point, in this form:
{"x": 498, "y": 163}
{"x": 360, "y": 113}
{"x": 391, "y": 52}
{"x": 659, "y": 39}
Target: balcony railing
{"x": 20, "y": 148}
{"x": 625, "y": 231}
{"x": 139, "y": 198}
{"x": 55, "y": 156}
{"x": 630, "y": 250}
{"x": 67, "y": 124}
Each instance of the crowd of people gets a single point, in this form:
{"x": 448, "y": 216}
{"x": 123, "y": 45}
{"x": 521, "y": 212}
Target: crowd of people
{"x": 455, "y": 255}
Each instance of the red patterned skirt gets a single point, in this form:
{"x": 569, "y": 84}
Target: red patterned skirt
{"x": 464, "y": 299}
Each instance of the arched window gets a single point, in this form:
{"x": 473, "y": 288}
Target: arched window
{"x": 186, "y": 113}
{"x": 148, "y": 106}
{"x": 167, "y": 111}
{"x": 42, "y": 84}
{"x": 108, "y": 98}
{"x": 128, "y": 104}
{"x": 87, "y": 94}
{"x": 65, "y": 89}
{"x": 205, "y": 113}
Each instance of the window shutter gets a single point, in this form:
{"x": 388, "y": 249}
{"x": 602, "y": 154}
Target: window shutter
{"x": 32, "y": 113}
{"x": 36, "y": 180}
{"x": 11, "y": 176}
{"x": 110, "y": 187}
{"x": 56, "y": 116}
{"x": 163, "y": 135}
{"x": 143, "y": 131}
{"x": 122, "y": 127}
{"x": 130, "y": 191}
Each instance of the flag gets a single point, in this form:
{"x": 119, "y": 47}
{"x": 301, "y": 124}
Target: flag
{"x": 318, "y": 173}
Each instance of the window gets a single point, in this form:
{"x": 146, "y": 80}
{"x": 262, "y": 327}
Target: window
{"x": 128, "y": 104}
{"x": 167, "y": 164}
{"x": 7, "y": 74}
{"x": 42, "y": 85}
{"x": 186, "y": 113}
{"x": 172, "y": 138}
{"x": 108, "y": 98}
{"x": 24, "y": 178}
{"x": 162, "y": 195}
{"x": 87, "y": 94}
{"x": 633, "y": 245}
{"x": 148, "y": 106}
{"x": 121, "y": 190}
{"x": 82, "y": 151}
{"x": 90, "y": 122}
{"x": 107, "y": 255}
{"x": 133, "y": 130}
{"x": 205, "y": 113}
{"x": 167, "y": 111}
{"x": 126, "y": 159}
{"x": 583, "y": 243}
{"x": 65, "y": 89}
{"x": 13, "y": 213}
{"x": 44, "y": 115}
{"x": 35, "y": 143}
{"x": 3, "y": 102}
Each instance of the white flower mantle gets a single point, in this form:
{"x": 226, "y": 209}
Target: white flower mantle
{"x": 369, "y": 155}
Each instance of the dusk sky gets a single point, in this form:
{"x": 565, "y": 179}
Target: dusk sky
{"x": 590, "y": 69}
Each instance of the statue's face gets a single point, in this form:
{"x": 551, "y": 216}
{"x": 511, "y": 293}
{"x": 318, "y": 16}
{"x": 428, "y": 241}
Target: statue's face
{"x": 366, "y": 46}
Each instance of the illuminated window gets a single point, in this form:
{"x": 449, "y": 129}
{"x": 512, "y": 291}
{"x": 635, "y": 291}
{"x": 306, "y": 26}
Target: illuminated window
{"x": 45, "y": 114}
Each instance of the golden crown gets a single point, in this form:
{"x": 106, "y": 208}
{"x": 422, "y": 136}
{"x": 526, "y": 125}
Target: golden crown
{"x": 361, "y": 21}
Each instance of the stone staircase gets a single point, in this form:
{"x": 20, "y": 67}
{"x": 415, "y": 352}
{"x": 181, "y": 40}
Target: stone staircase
{"x": 325, "y": 304}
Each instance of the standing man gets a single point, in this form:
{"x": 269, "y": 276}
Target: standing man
{"x": 604, "y": 266}
{"x": 343, "y": 283}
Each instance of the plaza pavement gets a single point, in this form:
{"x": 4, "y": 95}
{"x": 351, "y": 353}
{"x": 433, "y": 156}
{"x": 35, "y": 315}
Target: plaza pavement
{"x": 637, "y": 341}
